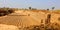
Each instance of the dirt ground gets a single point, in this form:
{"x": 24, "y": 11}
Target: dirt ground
{"x": 25, "y": 18}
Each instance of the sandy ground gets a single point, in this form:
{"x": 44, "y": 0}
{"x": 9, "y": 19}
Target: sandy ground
{"x": 20, "y": 19}
{"x": 24, "y": 18}
{"x": 8, "y": 27}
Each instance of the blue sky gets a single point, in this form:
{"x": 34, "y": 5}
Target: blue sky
{"x": 40, "y": 4}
